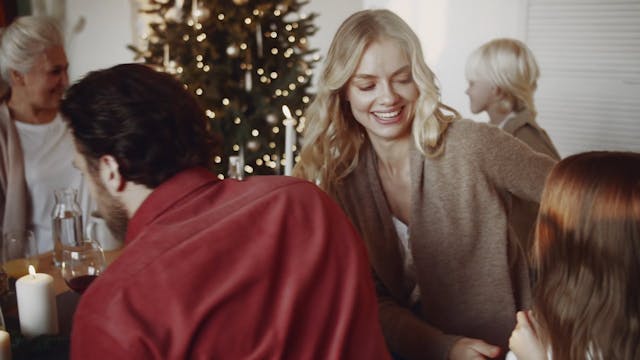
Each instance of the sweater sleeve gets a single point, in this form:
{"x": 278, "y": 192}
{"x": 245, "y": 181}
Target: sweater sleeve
{"x": 406, "y": 334}
{"x": 509, "y": 163}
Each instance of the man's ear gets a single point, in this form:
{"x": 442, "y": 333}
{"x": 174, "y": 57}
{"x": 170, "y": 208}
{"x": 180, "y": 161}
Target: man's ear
{"x": 109, "y": 171}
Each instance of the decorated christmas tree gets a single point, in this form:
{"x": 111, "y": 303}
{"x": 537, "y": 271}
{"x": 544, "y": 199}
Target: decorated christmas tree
{"x": 244, "y": 60}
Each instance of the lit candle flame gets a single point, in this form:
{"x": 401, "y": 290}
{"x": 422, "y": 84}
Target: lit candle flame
{"x": 32, "y": 271}
{"x": 286, "y": 112}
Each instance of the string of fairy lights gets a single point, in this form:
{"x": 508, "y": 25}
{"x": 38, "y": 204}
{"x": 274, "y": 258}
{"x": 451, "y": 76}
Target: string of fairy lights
{"x": 264, "y": 65}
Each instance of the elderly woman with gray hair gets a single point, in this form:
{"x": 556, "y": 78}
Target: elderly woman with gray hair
{"x": 36, "y": 149}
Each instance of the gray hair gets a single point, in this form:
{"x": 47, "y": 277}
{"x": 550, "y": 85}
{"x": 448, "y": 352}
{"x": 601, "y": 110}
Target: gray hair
{"x": 24, "y": 40}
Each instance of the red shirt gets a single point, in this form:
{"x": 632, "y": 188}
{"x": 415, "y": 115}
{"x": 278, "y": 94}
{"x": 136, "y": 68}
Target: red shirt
{"x": 267, "y": 268}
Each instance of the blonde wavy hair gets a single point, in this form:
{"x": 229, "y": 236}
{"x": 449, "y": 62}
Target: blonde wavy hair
{"x": 587, "y": 254}
{"x": 333, "y": 138}
{"x": 510, "y": 65}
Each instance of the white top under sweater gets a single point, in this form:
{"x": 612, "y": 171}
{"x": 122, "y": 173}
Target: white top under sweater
{"x": 405, "y": 252}
{"x": 48, "y": 152}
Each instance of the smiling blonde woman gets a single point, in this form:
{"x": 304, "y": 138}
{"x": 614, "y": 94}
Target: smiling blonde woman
{"x": 421, "y": 187}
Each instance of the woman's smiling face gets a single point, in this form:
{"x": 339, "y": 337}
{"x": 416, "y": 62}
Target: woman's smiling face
{"x": 382, "y": 93}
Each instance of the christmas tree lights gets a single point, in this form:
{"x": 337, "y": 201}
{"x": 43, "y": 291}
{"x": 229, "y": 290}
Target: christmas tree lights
{"x": 244, "y": 60}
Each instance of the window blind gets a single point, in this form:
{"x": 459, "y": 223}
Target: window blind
{"x": 588, "y": 95}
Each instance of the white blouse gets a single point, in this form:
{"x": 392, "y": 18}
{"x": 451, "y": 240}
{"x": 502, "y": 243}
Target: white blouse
{"x": 48, "y": 152}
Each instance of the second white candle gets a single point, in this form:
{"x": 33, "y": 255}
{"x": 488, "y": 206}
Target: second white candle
{"x": 289, "y": 139}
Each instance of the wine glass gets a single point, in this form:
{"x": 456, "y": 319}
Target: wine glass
{"x": 81, "y": 264}
{"x": 18, "y": 252}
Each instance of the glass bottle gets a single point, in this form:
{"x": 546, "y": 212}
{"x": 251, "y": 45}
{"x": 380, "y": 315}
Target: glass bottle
{"x": 235, "y": 168}
{"x": 67, "y": 222}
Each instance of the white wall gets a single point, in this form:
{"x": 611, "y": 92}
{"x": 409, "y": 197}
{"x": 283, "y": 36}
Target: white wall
{"x": 103, "y": 39}
{"x": 331, "y": 13}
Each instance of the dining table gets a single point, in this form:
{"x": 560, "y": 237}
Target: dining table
{"x": 47, "y": 346}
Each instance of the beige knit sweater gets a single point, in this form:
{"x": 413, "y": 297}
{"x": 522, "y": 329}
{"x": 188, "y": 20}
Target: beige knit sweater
{"x": 14, "y": 197}
{"x": 458, "y": 238}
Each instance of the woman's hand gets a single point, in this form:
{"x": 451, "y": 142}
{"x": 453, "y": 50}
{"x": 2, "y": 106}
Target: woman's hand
{"x": 524, "y": 341}
{"x": 473, "y": 349}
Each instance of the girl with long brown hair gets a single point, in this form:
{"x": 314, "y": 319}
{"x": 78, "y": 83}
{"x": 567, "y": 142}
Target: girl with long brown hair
{"x": 587, "y": 254}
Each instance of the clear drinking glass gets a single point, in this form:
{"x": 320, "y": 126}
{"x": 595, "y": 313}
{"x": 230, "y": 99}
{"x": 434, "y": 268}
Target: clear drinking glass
{"x": 81, "y": 264}
{"x": 18, "y": 252}
{"x": 67, "y": 222}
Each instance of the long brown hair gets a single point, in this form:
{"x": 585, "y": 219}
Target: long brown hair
{"x": 587, "y": 252}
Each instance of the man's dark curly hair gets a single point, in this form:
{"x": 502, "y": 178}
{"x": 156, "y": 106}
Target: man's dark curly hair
{"x": 145, "y": 119}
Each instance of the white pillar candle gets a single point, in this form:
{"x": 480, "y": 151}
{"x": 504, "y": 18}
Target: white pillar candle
{"x": 259, "y": 38}
{"x": 36, "y": 304}
{"x": 165, "y": 57}
{"x": 289, "y": 139}
{"x": 240, "y": 163}
{"x": 5, "y": 345}
{"x": 195, "y": 11}
{"x": 248, "y": 83}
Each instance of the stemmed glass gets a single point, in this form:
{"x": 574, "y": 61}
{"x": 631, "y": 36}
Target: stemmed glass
{"x": 81, "y": 264}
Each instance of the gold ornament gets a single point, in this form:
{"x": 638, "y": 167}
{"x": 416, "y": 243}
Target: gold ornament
{"x": 233, "y": 50}
{"x": 240, "y": 2}
{"x": 271, "y": 119}
{"x": 253, "y": 145}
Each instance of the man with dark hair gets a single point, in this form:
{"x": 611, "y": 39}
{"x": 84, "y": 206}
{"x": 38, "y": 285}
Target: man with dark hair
{"x": 266, "y": 268}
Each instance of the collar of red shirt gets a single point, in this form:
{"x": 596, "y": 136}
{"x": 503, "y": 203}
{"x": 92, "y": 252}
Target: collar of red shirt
{"x": 165, "y": 195}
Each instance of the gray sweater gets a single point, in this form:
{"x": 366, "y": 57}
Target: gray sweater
{"x": 458, "y": 234}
